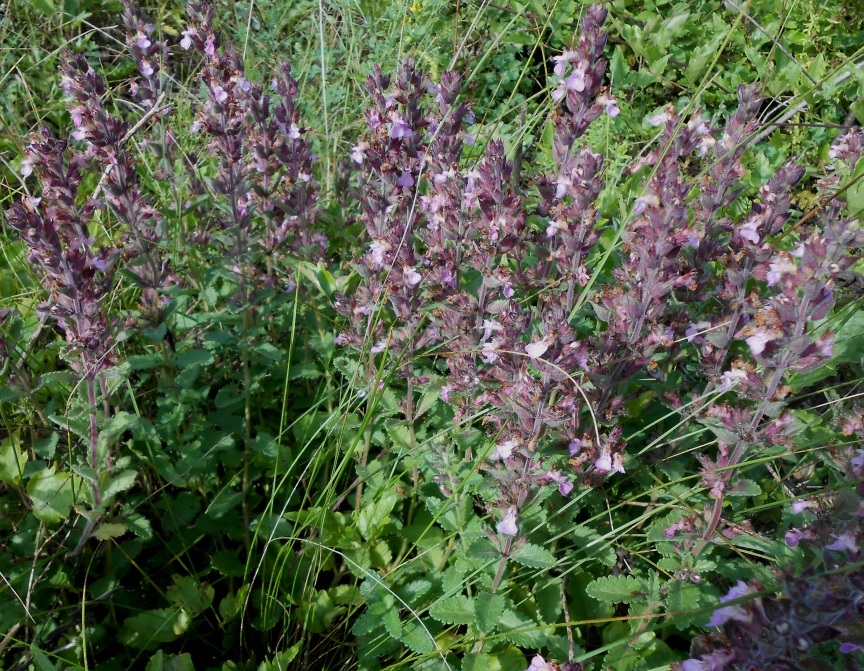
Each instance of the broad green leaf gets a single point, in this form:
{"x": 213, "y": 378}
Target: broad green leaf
{"x": 44, "y": 6}
{"x": 615, "y": 589}
{"x": 373, "y": 517}
{"x": 417, "y": 638}
{"x": 453, "y": 610}
{"x": 54, "y": 494}
{"x": 40, "y": 660}
{"x": 533, "y": 556}
{"x": 116, "y": 483}
{"x": 522, "y": 630}
{"x": 162, "y": 662}
{"x": 744, "y": 487}
{"x": 139, "y": 525}
{"x": 105, "y": 532}
{"x": 193, "y": 357}
{"x": 190, "y": 595}
{"x": 282, "y": 660}
{"x": 488, "y": 608}
{"x": 150, "y": 627}
{"x": 12, "y": 461}
{"x": 682, "y": 597}
{"x": 477, "y": 661}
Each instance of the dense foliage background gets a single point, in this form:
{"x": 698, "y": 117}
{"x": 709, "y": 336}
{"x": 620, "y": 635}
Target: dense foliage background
{"x": 471, "y": 339}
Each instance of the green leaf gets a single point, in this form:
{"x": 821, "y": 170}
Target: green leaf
{"x": 47, "y": 446}
{"x": 43, "y": 6}
{"x": 117, "y": 483}
{"x": 618, "y": 66}
{"x": 373, "y": 517}
{"x": 227, "y": 563}
{"x": 193, "y": 357}
{"x": 615, "y": 589}
{"x": 12, "y": 461}
{"x": 162, "y": 662}
{"x": 453, "y": 610}
{"x": 53, "y": 494}
{"x": 744, "y": 487}
{"x": 488, "y": 609}
{"x": 108, "y": 531}
{"x": 391, "y": 623}
{"x": 281, "y": 660}
{"x": 188, "y": 594}
{"x": 139, "y": 525}
{"x": 41, "y": 660}
{"x": 533, "y": 556}
{"x": 857, "y": 109}
{"x": 682, "y": 596}
{"x": 522, "y": 630}
{"x": 150, "y": 627}
{"x": 477, "y": 661}
{"x": 594, "y": 545}
{"x": 417, "y": 638}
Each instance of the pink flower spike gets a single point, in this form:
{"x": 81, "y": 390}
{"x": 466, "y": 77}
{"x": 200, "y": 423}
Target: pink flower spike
{"x": 507, "y": 525}
{"x": 536, "y": 349}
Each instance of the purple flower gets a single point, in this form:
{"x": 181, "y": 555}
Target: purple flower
{"x": 220, "y": 94}
{"x": 610, "y": 103}
{"x": 405, "y": 180}
{"x": 186, "y": 42}
{"x": 749, "y": 230}
{"x": 730, "y": 378}
{"x": 759, "y": 340}
{"x": 737, "y": 612}
{"x": 539, "y": 664}
{"x": 609, "y": 463}
{"x": 507, "y": 525}
{"x": 800, "y": 505}
{"x": 358, "y": 152}
{"x": 695, "y": 331}
{"x": 536, "y": 349}
{"x": 576, "y": 81}
{"x": 504, "y": 450}
{"x": 400, "y": 129}
{"x": 847, "y": 542}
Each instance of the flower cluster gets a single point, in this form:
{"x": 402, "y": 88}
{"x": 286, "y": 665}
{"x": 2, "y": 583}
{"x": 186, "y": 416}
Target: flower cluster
{"x": 56, "y": 229}
{"x": 148, "y": 53}
{"x": 265, "y": 162}
{"x": 822, "y": 604}
{"x": 458, "y": 238}
{"x": 106, "y": 138}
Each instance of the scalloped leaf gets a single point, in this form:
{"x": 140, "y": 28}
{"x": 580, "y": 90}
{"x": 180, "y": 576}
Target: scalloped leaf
{"x": 533, "y": 556}
{"x": 488, "y": 609}
{"x": 453, "y": 610}
{"x": 615, "y": 589}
